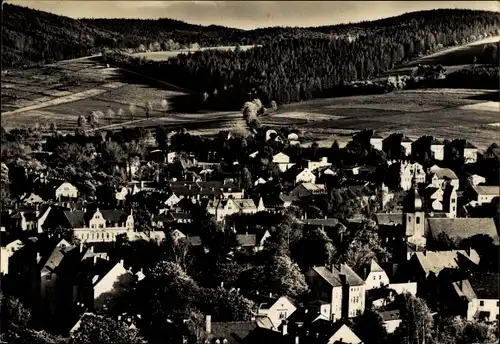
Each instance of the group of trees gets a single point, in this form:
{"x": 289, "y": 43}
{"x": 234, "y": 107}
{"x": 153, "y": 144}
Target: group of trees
{"x": 289, "y": 70}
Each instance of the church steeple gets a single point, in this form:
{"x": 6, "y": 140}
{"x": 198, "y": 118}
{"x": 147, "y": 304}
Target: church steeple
{"x": 414, "y": 216}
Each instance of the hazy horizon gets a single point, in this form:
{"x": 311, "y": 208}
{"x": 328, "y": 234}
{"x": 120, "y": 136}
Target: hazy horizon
{"x": 249, "y": 14}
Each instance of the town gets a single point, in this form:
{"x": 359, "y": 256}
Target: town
{"x": 251, "y": 235}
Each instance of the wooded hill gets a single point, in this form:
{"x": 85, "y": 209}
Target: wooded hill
{"x": 34, "y": 36}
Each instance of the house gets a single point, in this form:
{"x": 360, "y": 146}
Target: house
{"x": 31, "y": 199}
{"x": 391, "y": 320}
{"x": 341, "y": 287}
{"x": 171, "y": 156}
{"x": 442, "y": 199}
{"x": 6, "y": 252}
{"x": 65, "y": 191}
{"x": 278, "y": 203}
{"x": 93, "y": 226}
{"x": 483, "y": 194}
{"x": 171, "y": 200}
{"x": 307, "y": 189}
{"x": 374, "y": 276}
{"x": 305, "y": 176}
{"x": 470, "y": 153}
{"x": 475, "y": 180}
{"x": 314, "y": 165}
{"x": 437, "y": 149}
{"x": 461, "y": 228}
{"x": 283, "y": 161}
{"x": 276, "y": 309}
{"x": 409, "y": 172}
{"x": 326, "y": 332}
{"x": 29, "y": 219}
{"x": 205, "y": 190}
{"x": 439, "y": 176}
{"x": 99, "y": 280}
{"x": 221, "y": 208}
{"x": 376, "y": 141}
{"x": 406, "y": 144}
{"x": 477, "y": 297}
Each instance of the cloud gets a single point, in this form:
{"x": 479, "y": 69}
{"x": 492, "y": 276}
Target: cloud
{"x": 249, "y": 14}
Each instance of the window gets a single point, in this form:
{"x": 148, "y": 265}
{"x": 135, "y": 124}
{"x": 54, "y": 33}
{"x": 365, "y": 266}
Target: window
{"x": 48, "y": 277}
{"x": 409, "y": 218}
{"x": 379, "y": 277}
{"x": 481, "y": 303}
{"x": 418, "y": 220}
{"x": 374, "y": 277}
{"x": 453, "y": 200}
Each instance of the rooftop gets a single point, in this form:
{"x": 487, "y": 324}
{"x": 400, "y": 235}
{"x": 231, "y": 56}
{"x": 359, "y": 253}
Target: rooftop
{"x": 462, "y": 228}
{"x": 489, "y": 190}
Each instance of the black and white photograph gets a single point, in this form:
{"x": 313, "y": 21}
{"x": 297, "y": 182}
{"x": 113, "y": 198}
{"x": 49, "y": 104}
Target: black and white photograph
{"x": 250, "y": 172}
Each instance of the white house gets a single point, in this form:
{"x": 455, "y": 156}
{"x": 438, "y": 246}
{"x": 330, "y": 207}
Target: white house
{"x": 439, "y": 176}
{"x": 485, "y": 193}
{"x": 277, "y": 310}
{"x": 375, "y": 276}
{"x": 283, "y": 161}
{"x": 305, "y": 176}
{"x": 171, "y": 157}
{"x": 470, "y": 153}
{"x": 109, "y": 283}
{"x": 344, "y": 335}
{"x": 437, "y": 149}
{"x": 391, "y": 320}
{"x": 7, "y": 252}
{"x": 222, "y": 208}
{"x": 98, "y": 226}
{"x": 172, "y": 200}
{"x": 66, "y": 191}
{"x": 479, "y": 296}
{"x": 314, "y": 165}
{"x": 121, "y": 194}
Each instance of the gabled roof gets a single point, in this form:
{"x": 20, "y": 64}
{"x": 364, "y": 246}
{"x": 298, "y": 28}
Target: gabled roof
{"x": 485, "y": 285}
{"x": 332, "y": 276}
{"x": 389, "y": 219}
{"x": 463, "y": 227}
{"x": 435, "y": 262}
{"x": 56, "y": 256}
{"x": 436, "y": 142}
{"x": 390, "y": 315}
{"x": 246, "y": 240}
{"x": 469, "y": 145}
{"x": 114, "y": 216}
{"x": 490, "y": 190}
{"x": 374, "y": 267}
{"x": 376, "y": 136}
{"x": 406, "y": 139}
{"x": 445, "y": 173}
{"x": 234, "y": 331}
{"x": 332, "y": 222}
{"x": 75, "y": 218}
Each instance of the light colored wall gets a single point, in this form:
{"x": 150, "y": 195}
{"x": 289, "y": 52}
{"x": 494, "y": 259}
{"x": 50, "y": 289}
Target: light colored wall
{"x": 488, "y": 306}
{"x": 109, "y": 282}
{"x": 470, "y": 155}
{"x": 306, "y": 176}
{"x": 66, "y": 190}
{"x": 356, "y": 301}
{"x": 376, "y": 280}
{"x": 400, "y": 288}
{"x": 281, "y": 310}
{"x": 391, "y": 325}
{"x": 438, "y": 151}
{"x": 407, "y": 147}
{"x": 101, "y": 235}
{"x": 336, "y": 303}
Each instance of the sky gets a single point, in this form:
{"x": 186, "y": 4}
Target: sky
{"x": 249, "y": 14}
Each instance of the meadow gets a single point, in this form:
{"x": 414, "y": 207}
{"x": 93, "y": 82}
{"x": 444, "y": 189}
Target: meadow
{"x": 164, "y": 55}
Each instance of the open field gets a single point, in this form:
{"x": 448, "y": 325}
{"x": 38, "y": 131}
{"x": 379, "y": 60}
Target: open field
{"x": 163, "y": 55}
{"x": 62, "y": 92}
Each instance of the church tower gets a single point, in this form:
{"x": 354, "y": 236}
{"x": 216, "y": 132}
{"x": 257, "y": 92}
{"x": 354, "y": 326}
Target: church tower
{"x": 414, "y": 217}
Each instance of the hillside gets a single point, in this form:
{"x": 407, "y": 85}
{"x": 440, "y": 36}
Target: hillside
{"x": 35, "y": 36}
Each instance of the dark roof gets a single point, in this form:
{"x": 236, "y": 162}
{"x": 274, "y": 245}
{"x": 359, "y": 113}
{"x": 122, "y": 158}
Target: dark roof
{"x": 75, "y": 218}
{"x": 485, "y": 285}
{"x": 332, "y": 276}
{"x": 469, "y": 145}
{"x": 56, "y": 256}
{"x": 390, "y": 315}
{"x": 235, "y": 331}
{"x": 246, "y": 239}
{"x": 436, "y": 142}
{"x": 376, "y": 136}
{"x": 210, "y": 188}
{"x": 405, "y": 139}
{"x": 463, "y": 227}
{"x": 114, "y": 216}
{"x": 99, "y": 269}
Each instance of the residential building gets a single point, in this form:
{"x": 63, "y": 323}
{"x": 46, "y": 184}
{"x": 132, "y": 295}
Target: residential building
{"x": 441, "y": 199}
{"x": 276, "y": 309}
{"x": 391, "y": 320}
{"x": 31, "y": 199}
{"x": 437, "y": 149}
{"x": 326, "y": 332}
{"x": 376, "y": 141}
{"x": 409, "y": 172}
{"x": 484, "y": 194}
{"x": 470, "y": 153}
{"x": 314, "y": 165}
{"x": 477, "y": 297}
{"x": 65, "y": 191}
{"x": 29, "y": 219}
{"x": 283, "y": 161}
{"x": 307, "y": 189}
{"x": 121, "y": 194}
{"x": 205, "y": 190}
{"x": 93, "y": 226}
{"x": 6, "y": 252}
{"x": 374, "y": 276}
{"x": 439, "y": 176}
{"x": 305, "y": 176}
{"x": 341, "y": 287}
{"x": 221, "y": 208}
{"x": 171, "y": 156}
{"x": 99, "y": 280}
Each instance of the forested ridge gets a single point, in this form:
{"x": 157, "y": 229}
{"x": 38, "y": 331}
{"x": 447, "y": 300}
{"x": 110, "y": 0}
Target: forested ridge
{"x": 300, "y": 68}
{"x": 34, "y": 36}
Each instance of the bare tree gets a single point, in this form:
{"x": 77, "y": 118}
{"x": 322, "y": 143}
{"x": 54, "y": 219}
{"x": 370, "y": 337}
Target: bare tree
{"x": 164, "y": 105}
{"x": 131, "y": 108}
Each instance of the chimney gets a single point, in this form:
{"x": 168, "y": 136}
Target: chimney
{"x": 270, "y": 294}
{"x": 95, "y": 260}
{"x": 284, "y": 328}
{"x": 122, "y": 262}
{"x": 305, "y": 310}
{"x": 208, "y": 324}
{"x": 222, "y": 284}
{"x": 296, "y": 339}
{"x": 92, "y": 249}
{"x": 343, "y": 279}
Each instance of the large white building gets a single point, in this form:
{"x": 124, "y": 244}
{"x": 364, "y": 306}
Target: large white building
{"x": 409, "y": 172}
